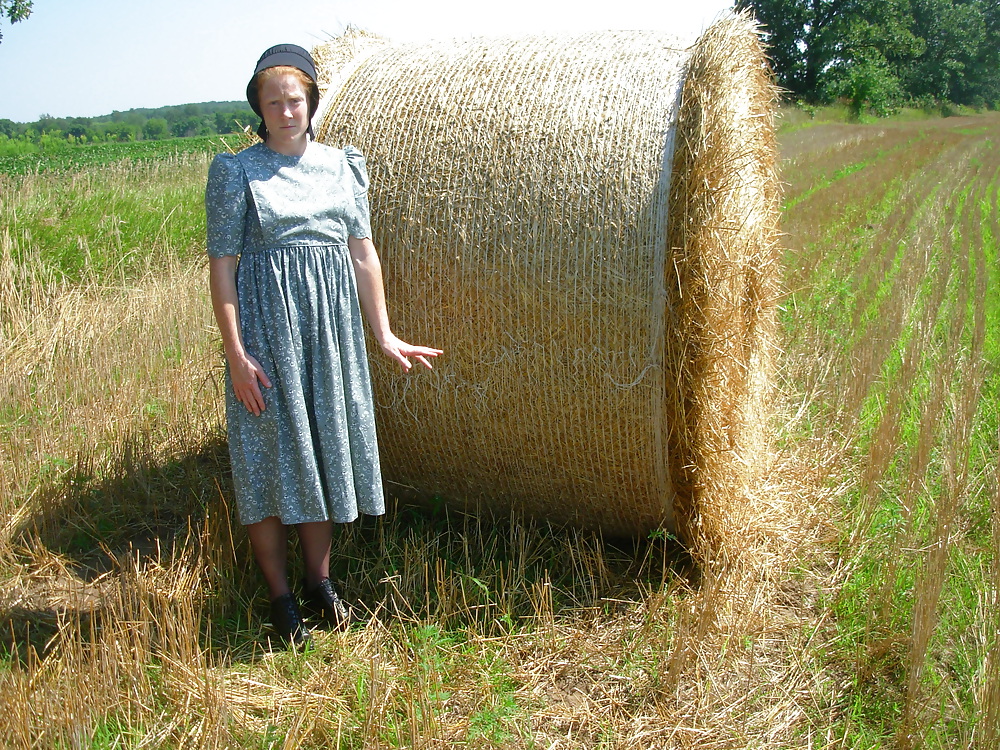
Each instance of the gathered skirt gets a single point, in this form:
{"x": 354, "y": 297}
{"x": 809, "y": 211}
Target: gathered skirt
{"x": 312, "y": 454}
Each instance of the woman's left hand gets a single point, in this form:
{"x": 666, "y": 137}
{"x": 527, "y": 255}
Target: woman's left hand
{"x": 399, "y": 350}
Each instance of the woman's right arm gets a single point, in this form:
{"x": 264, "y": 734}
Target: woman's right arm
{"x": 244, "y": 371}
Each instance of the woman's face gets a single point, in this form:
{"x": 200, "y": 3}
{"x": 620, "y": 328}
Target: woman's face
{"x": 285, "y": 107}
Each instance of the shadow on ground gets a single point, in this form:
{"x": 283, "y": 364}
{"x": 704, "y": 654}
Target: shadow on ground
{"x": 93, "y": 536}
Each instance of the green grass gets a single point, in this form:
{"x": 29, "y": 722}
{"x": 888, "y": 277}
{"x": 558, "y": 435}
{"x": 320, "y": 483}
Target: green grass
{"x": 796, "y": 116}
{"x": 110, "y": 221}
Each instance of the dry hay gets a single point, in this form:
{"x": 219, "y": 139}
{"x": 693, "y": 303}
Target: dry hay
{"x": 605, "y": 300}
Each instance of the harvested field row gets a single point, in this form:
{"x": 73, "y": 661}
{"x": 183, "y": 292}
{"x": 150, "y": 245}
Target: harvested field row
{"x": 899, "y": 362}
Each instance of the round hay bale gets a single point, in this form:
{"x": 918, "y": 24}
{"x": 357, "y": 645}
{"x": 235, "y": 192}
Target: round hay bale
{"x": 587, "y": 226}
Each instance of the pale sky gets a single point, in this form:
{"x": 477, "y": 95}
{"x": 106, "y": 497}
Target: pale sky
{"x": 87, "y": 58}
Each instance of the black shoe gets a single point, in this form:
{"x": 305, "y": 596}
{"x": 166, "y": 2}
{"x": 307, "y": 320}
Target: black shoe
{"x": 322, "y": 600}
{"x": 287, "y": 621}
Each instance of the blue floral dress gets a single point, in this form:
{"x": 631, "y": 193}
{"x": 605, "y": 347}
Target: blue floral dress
{"x": 312, "y": 454}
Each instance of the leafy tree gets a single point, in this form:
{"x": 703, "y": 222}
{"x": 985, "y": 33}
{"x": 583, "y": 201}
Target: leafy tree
{"x": 15, "y": 10}
{"x": 120, "y": 131}
{"x": 985, "y": 69}
{"x": 135, "y": 119}
{"x": 867, "y": 84}
{"x": 802, "y": 36}
{"x": 876, "y": 53}
{"x": 953, "y": 33}
{"x": 234, "y": 120}
{"x": 79, "y": 127}
{"x": 193, "y": 125}
{"x": 813, "y": 42}
{"x": 156, "y": 129}
{"x": 872, "y": 42}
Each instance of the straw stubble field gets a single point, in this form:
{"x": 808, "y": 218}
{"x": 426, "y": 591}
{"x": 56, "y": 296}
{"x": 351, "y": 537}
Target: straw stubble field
{"x": 131, "y": 616}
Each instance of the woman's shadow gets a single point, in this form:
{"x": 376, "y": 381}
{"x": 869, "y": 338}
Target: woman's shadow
{"x": 98, "y": 523}
{"x": 166, "y": 530}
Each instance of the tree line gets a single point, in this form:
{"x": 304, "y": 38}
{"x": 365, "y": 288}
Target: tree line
{"x": 180, "y": 121}
{"x": 878, "y": 54}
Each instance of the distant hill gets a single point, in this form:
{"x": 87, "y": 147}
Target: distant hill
{"x": 175, "y": 112}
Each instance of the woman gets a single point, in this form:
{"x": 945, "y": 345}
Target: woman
{"x": 292, "y": 269}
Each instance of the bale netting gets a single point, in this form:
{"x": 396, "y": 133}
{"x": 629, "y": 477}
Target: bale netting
{"x": 587, "y": 225}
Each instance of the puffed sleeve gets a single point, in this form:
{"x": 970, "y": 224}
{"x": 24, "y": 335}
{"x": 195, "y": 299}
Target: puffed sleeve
{"x": 225, "y": 206}
{"x": 359, "y": 225}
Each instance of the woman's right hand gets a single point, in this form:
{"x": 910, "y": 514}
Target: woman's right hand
{"x": 245, "y": 372}
{"x": 247, "y": 376}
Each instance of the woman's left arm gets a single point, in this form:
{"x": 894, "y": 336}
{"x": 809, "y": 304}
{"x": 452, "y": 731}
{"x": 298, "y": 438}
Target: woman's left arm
{"x": 371, "y": 294}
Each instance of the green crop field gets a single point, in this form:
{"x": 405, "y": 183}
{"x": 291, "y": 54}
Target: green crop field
{"x": 131, "y": 615}
{"x": 66, "y": 158}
